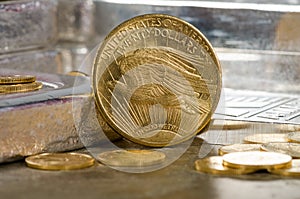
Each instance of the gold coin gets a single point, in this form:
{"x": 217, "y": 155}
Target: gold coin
{"x": 238, "y": 148}
{"x": 131, "y": 158}
{"x": 288, "y": 127}
{"x": 17, "y": 79}
{"x": 228, "y": 125}
{"x": 292, "y": 149}
{"x": 15, "y": 88}
{"x": 214, "y": 165}
{"x": 257, "y": 160}
{"x": 265, "y": 138}
{"x": 294, "y": 137}
{"x": 156, "y": 80}
{"x": 60, "y": 161}
{"x": 293, "y": 171}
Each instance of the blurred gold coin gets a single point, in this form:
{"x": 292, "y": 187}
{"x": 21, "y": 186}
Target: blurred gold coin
{"x": 228, "y": 125}
{"x": 294, "y": 137}
{"x": 131, "y": 158}
{"x": 257, "y": 160}
{"x": 288, "y": 127}
{"x": 214, "y": 165}
{"x": 292, "y": 149}
{"x": 293, "y": 171}
{"x": 60, "y": 161}
{"x": 15, "y": 88}
{"x": 17, "y": 79}
{"x": 238, "y": 148}
{"x": 265, "y": 138}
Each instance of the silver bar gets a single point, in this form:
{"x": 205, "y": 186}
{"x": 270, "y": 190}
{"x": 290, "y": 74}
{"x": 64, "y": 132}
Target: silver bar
{"x": 76, "y": 20}
{"x": 45, "y": 60}
{"x": 245, "y": 24}
{"x": 27, "y": 24}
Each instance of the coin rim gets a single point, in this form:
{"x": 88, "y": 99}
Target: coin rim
{"x": 88, "y": 163}
{"x": 285, "y": 171}
{"x": 213, "y": 55}
{"x": 116, "y": 163}
{"x": 16, "y": 79}
{"x": 19, "y": 88}
{"x": 258, "y": 167}
{"x": 203, "y": 165}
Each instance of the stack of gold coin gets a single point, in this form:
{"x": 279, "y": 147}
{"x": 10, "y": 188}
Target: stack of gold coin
{"x": 156, "y": 80}
{"x": 239, "y": 163}
{"x": 18, "y": 83}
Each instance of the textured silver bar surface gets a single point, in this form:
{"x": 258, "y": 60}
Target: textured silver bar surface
{"x": 76, "y": 20}
{"x": 47, "y": 61}
{"x": 43, "y": 121}
{"x": 245, "y": 24}
{"x": 27, "y": 24}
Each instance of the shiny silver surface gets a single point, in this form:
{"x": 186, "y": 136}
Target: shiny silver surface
{"x": 76, "y": 20}
{"x": 27, "y": 24}
{"x": 260, "y": 25}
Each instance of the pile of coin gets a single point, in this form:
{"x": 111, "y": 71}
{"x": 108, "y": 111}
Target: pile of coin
{"x": 275, "y": 153}
{"x": 18, "y": 83}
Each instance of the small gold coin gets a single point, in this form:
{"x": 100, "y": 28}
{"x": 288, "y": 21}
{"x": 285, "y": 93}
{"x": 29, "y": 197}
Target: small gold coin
{"x": 265, "y": 138}
{"x": 229, "y": 125}
{"x": 214, "y": 165}
{"x": 131, "y": 158}
{"x": 239, "y": 148}
{"x": 294, "y": 137}
{"x": 16, "y": 88}
{"x": 60, "y": 161}
{"x": 293, "y": 171}
{"x": 292, "y": 149}
{"x": 17, "y": 79}
{"x": 257, "y": 160}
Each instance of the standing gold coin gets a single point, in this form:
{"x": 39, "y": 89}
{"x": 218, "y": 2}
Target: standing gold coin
{"x": 292, "y": 149}
{"x": 214, "y": 165}
{"x": 16, "y": 88}
{"x": 265, "y": 138}
{"x": 156, "y": 80}
{"x": 239, "y": 148}
{"x": 257, "y": 160}
{"x": 293, "y": 171}
{"x": 294, "y": 137}
{"x": 60, "y": 161}
{"x": 131, "y": 158}
{"x": 17, "y": 79}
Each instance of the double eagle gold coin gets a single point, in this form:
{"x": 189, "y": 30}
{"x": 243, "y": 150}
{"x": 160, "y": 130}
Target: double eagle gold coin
{"x": 156, "y": 80}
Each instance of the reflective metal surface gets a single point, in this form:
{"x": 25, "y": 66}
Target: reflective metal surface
{"x": 27, "y": 24}
{"x": 261, "y": 25}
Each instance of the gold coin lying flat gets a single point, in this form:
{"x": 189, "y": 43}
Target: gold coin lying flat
{"x": 294, "y": 137}
{"x": 288, "y": 127}
{"x": 16, "y": 88}
{"x": 293, "y": 171}
{"x": 292, "y": 149}
{"x": 257, "y": 160}
{"x": 239, "y": 148}
{"x": 214, "y": 165}
{"x": 131, "y": 158}
{"x": 17, "y": 79}
{"x": 265, "y": 138}
{"x": 60, "y": 161}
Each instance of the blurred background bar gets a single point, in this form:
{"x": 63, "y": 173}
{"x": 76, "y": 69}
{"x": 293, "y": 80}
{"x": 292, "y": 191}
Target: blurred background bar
{"x": 42, "y": 60}
{"x": 76, "y": 20}
{"x": 27, "y": 24}
{"x": 260, "y": 25}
